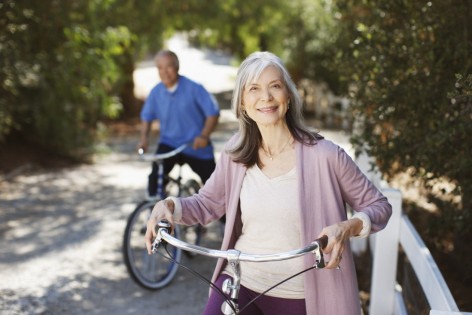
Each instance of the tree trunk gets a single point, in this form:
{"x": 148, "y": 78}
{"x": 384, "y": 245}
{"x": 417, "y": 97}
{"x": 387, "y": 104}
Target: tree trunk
{"x": 131, "y": 105}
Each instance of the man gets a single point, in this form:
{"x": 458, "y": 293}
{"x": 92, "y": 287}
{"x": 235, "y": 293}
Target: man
{"x": 187, "y": 113}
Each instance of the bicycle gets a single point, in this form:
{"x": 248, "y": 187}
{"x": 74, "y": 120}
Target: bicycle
{"x": 152, "y": 272}
{"x": 232, "y": 285}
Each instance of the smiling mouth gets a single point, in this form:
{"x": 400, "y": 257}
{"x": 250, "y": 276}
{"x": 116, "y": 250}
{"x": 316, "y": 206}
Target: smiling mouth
{"x": 267, "y": 109}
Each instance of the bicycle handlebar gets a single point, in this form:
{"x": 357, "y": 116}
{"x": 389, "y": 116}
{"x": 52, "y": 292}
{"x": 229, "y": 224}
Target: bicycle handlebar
{"x": 163, "y": 236}
{"x": 151, "y": 157}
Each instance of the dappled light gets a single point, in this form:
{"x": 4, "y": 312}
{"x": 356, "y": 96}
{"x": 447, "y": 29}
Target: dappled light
{"x": 62, "y": 205}
{"x": 62, "y": 237}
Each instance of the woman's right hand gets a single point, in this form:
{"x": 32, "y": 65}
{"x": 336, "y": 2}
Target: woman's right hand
{"x": 163, "y": 210}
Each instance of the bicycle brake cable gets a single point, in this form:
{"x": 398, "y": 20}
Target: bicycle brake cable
{"x": 199, "y": 276}
{"x": 275, "y": 285}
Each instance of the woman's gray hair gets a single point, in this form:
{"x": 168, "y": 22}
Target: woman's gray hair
{"x": 246, "y": 149}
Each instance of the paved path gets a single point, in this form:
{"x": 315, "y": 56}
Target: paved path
{"x": 61, "y": 238}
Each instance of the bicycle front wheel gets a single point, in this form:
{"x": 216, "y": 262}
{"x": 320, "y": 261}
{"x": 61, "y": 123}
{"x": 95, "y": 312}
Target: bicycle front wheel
{"x": 152, "y": 272}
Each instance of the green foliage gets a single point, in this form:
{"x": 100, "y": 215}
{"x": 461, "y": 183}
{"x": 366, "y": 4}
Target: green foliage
{"x": 59, "y": 75}
{"x": 402, "y": 59}
{"x": 240, "y": 27}
{"x": 310, "y": 39}
{"x": 70, "y": 73}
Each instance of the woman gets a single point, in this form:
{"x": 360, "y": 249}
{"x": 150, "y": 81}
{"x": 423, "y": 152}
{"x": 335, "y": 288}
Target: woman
{"x": 276, "y": 172}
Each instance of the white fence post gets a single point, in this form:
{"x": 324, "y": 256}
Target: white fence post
{"x": 384, "y": 266}
{"x": 363, "y": 161}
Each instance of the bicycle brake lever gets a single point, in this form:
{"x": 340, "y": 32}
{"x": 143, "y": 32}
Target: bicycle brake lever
{"x": 319, "y": 258}
{"x": 318, "y": 252}
{"x": 320, "y": 262}
{"x": 162, "y": 225}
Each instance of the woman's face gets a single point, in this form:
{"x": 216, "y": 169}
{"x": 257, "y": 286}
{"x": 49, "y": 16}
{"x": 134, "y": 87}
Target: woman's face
{"x": 266, "y": 99}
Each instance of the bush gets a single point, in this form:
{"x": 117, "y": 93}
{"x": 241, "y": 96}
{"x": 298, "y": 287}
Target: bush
{"x": 409, "y": 65}
{"x": 60, "y": 74}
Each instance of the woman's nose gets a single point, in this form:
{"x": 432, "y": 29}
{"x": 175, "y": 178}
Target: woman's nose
{"x": 266, "y": 95}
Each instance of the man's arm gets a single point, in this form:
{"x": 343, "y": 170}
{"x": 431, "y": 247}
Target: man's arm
{"x": 203, "y": 139}
{"x": 145, "y": 129}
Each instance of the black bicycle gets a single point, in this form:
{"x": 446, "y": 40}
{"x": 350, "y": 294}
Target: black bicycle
{"x": 152, "y": 272}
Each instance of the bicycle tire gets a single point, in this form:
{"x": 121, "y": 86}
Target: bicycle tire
{"x": 191, "y": 234}
{"x": 151, "y": 272}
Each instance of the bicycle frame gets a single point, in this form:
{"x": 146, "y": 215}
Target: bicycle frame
{"x": 233, "y": 256}
{"x": 158, "y": 158}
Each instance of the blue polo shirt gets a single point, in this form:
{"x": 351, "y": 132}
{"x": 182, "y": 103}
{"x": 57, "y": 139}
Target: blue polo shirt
{"x": 181, "y": 114}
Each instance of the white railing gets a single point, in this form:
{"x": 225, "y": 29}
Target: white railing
{"x": 386, "y": 297}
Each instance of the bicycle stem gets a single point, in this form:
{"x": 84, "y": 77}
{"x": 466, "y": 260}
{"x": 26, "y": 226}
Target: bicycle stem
{"x": 232, "y": 286}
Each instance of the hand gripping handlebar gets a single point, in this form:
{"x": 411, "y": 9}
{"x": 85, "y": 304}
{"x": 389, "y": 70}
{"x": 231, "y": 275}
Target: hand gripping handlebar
{"x": 231, "y": 286}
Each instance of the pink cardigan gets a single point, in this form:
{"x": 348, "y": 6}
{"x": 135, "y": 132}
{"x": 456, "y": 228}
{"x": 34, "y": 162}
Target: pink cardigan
{"x": 327, "y": 180}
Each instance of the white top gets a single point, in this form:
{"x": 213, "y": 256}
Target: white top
{"x": 271, "y": 224}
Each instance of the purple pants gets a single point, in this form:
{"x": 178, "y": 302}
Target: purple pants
{"x": 263, "y": 305}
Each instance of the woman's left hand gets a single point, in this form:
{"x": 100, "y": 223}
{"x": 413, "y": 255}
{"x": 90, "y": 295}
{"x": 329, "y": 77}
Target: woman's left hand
{"x": 338, "y": 234}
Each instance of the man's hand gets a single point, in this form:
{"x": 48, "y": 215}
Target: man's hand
{"x": 143, "y": 142}
{"x": 142, "y": 147}
{"x": 200, "y": 142}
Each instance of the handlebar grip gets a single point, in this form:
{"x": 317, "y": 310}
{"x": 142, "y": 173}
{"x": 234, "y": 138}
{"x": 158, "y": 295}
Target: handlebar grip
{"x": 323, "y": 241}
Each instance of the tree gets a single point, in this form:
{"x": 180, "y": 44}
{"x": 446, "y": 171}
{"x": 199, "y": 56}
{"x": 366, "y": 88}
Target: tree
{"x": 310, "y": 41}
{"x": 409, "y": 65}
{"x": 239, "y": 27}
{"x": 58, "y": 74}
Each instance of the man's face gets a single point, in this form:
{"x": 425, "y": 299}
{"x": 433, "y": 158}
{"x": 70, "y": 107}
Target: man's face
{"x": 167, "y": 70}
